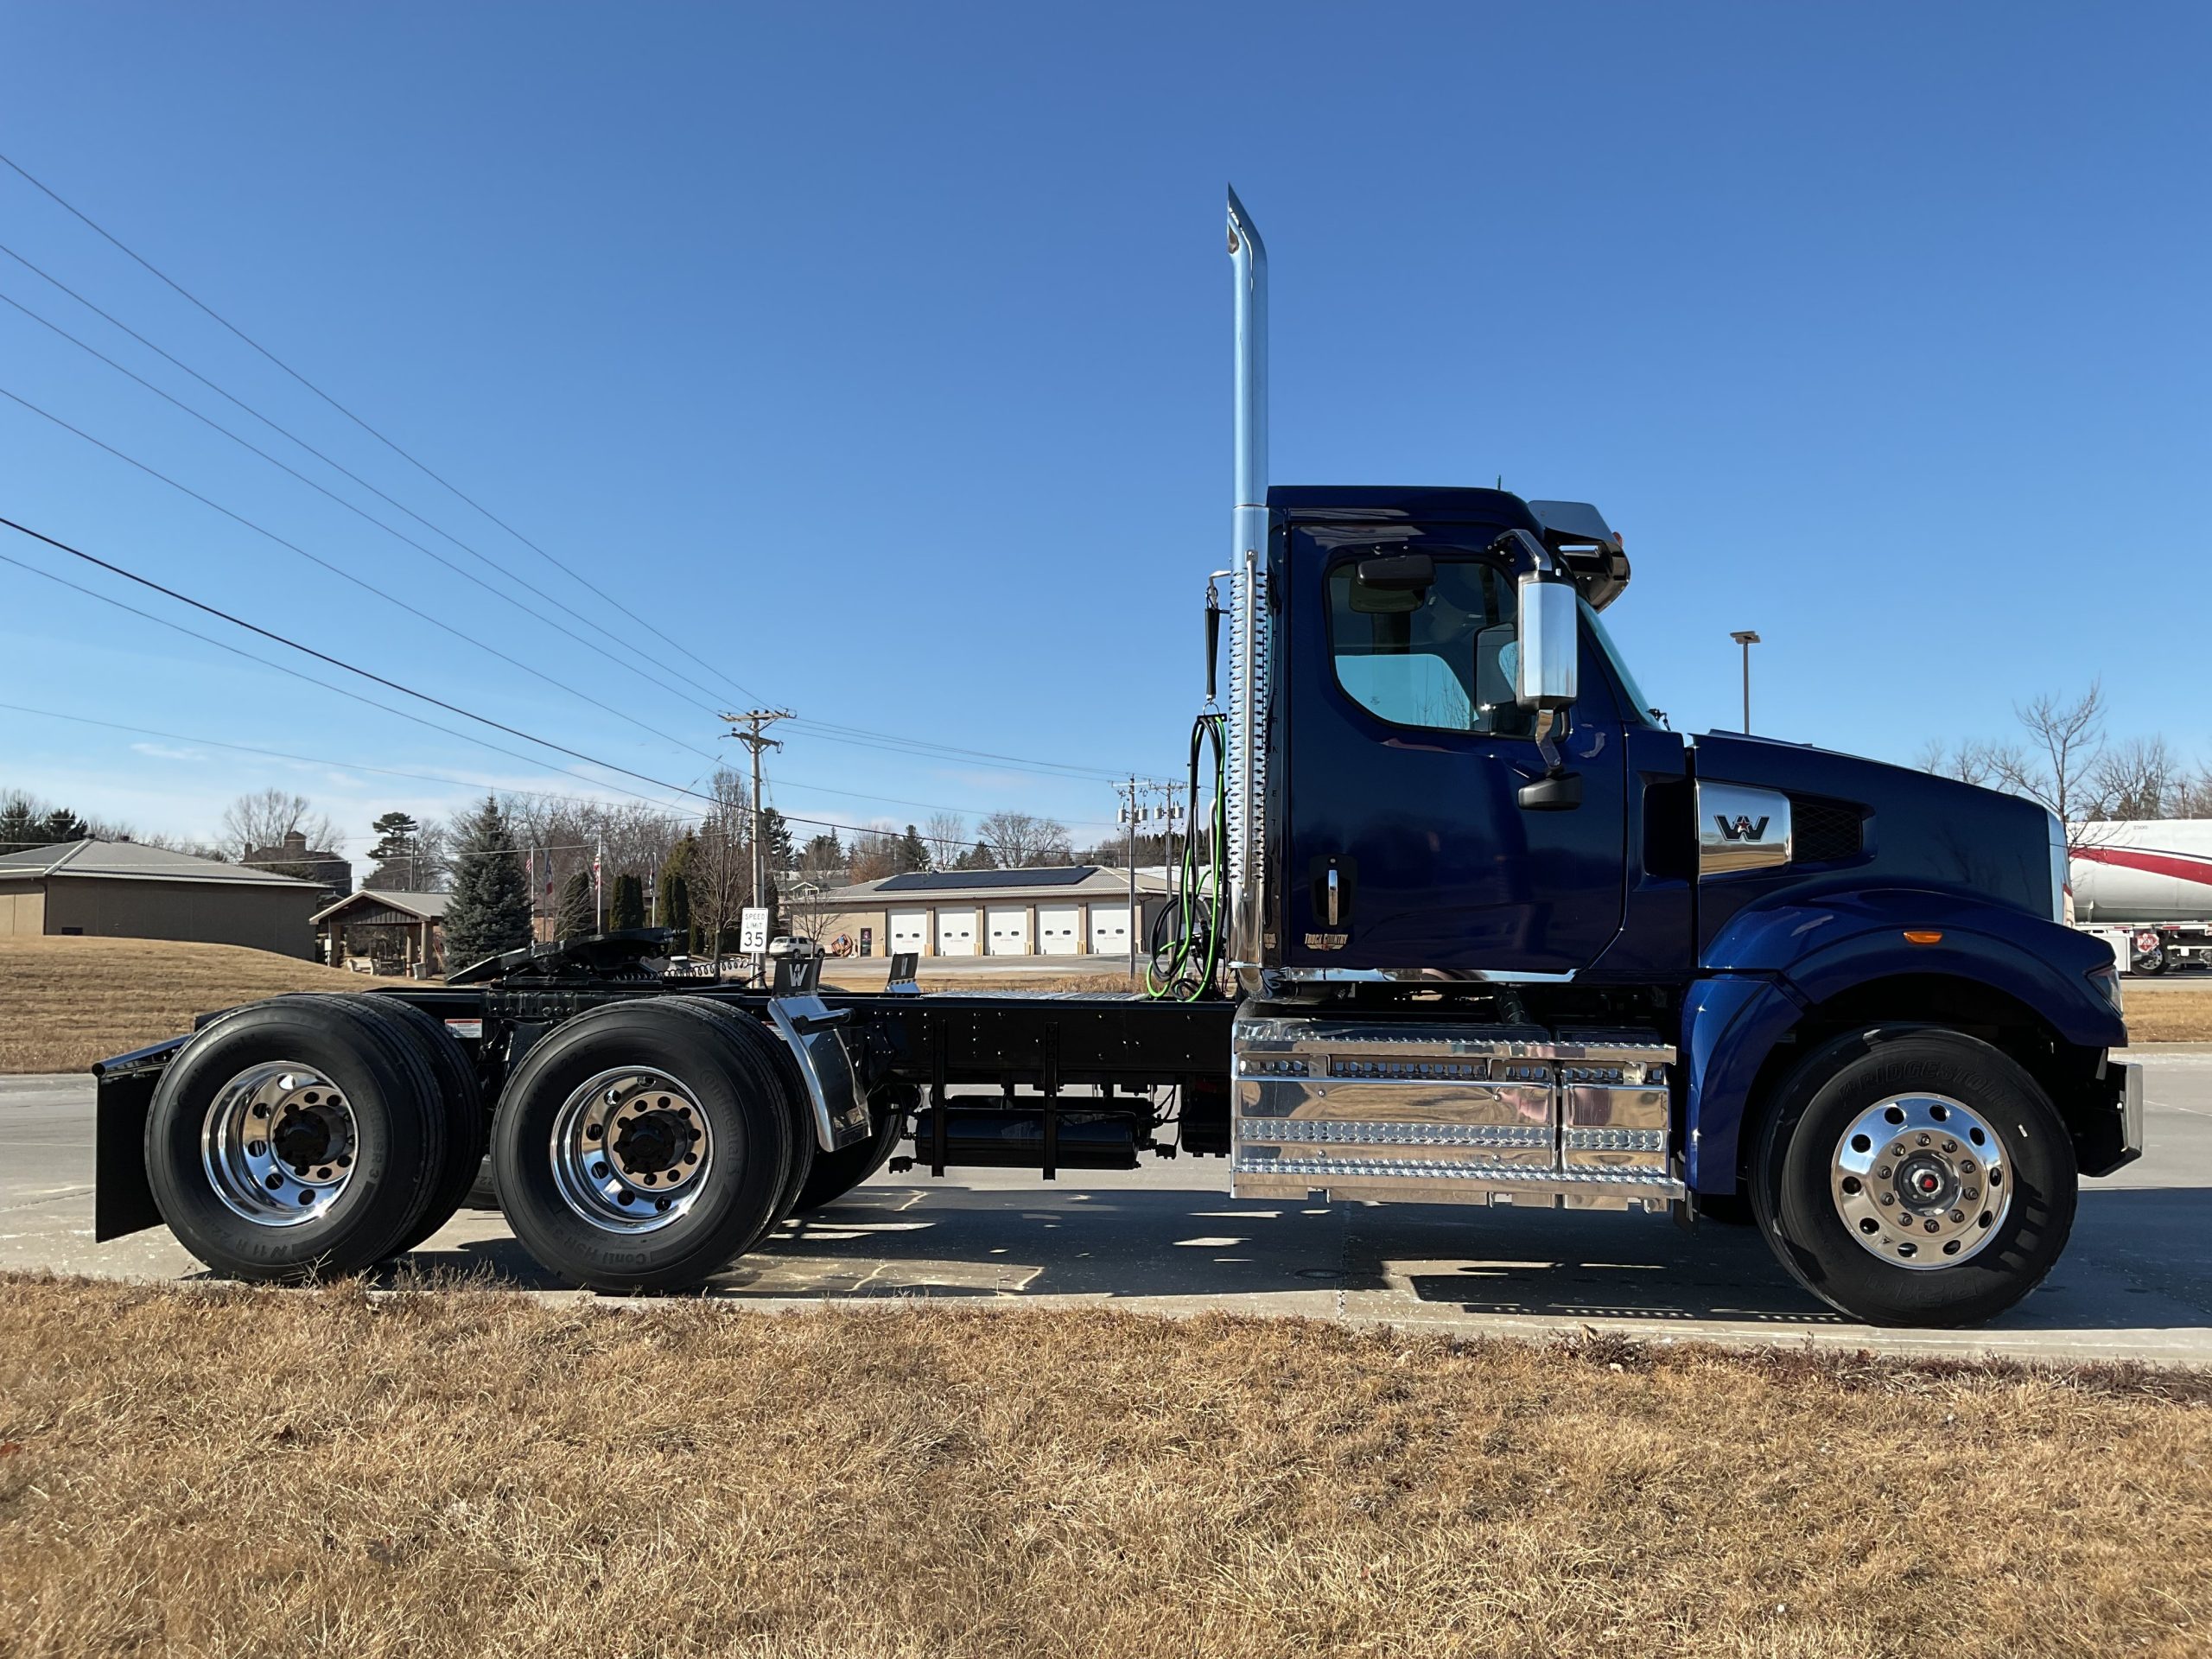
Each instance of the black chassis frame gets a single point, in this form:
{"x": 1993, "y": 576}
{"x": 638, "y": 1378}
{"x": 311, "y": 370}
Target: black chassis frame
{"x": 935, "y": 1042}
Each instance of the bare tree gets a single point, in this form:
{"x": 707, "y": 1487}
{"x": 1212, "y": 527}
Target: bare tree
{"x": 721, "y": 875}
{"x": 946, "y": 833}
{"x": 261, "y": 821}
{"x": 1021, "y": 841}
{"x": 1970, "y": 760}
{"x": 876, "y": 852}
{"x": 2191, "y": 796}
{"x": 2137, "y": 778}
{"x": 2058, "y": 766}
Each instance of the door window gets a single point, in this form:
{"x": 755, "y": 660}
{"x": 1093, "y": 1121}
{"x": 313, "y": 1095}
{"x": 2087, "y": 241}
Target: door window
{"x": 1442, "y": 658}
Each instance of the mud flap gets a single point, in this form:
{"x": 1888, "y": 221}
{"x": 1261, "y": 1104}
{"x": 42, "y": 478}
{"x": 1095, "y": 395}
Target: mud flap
{"x": 122, "y": 1199}
{"x": 841, "y": 1115}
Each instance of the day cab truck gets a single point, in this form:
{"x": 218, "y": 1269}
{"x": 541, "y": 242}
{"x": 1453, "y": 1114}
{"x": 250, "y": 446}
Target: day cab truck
{"x": 1485, "y": 933}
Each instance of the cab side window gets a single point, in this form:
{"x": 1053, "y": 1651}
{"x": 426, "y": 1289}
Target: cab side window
{"x": 1441, "y": 657}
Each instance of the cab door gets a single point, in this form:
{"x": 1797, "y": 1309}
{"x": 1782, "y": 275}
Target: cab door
{"x": 1406, "y": 849}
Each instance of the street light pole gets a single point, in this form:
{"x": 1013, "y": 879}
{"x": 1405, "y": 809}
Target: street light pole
{"x": 1746, "y": 638}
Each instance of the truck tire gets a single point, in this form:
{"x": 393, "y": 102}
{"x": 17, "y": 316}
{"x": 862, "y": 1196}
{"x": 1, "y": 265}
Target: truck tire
{"x": 643, "y": 1145}
{"x": 836, "y": 1173}
{"x": 776, "y": 1053}
{"x": 462, "y": 1099}
{"x": 296, "y": 1138}
{"x": 1909, "y": 1176}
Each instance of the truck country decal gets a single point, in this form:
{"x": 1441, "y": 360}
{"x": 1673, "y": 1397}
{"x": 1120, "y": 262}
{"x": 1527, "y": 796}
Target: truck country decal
{"x": 1742, "y": 829}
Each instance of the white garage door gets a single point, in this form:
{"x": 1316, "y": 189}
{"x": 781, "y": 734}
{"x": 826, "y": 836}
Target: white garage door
{"x": 956, "y": 932}
{"x": 1058, "y": 930}
{"x": 1008, "y": 928}
{"x": 910, "y": 931}
{"x": 1109, "y": 930}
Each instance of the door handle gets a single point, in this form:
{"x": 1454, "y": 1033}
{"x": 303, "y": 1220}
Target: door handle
{"x": 1335, "y": 903}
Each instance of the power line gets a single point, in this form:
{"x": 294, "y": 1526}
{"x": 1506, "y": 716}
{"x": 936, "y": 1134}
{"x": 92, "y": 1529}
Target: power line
{"x": 286, "y": 432}
{"x": 853, "y": 734}
{"x": 324, "y": 657}
{"x": 487, "y": 785}
{"x": 344, "y": 575}
{"x": 147, "y": 265}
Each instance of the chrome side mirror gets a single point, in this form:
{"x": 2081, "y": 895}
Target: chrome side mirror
{"x": 1551, "y": 649}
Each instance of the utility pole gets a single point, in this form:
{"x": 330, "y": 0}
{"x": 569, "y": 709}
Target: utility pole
{"x": 756, "y": 721}
{"x": 1746, "y": 638}
{"x": 1130, "y": 859}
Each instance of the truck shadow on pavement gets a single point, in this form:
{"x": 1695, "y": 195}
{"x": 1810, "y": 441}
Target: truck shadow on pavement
{"x": 2139, "y": 1260}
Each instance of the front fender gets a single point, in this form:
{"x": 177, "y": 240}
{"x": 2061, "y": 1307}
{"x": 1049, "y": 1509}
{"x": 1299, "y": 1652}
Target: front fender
{"x": 1770, "y": 966}
{"x": 1823, "y": 946}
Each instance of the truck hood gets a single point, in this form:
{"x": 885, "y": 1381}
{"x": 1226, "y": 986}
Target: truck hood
{"x": 1859, "y": 824}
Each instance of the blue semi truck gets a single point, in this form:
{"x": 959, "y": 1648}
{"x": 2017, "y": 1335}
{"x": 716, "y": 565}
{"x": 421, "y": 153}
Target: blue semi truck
{"x": 1478, "y": 930}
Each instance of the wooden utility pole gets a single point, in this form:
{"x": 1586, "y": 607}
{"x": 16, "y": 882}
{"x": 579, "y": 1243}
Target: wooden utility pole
{"x": 755, "y": 721}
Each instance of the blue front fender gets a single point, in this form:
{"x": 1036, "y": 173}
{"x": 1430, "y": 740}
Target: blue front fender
{"x": 1768, "y": 967}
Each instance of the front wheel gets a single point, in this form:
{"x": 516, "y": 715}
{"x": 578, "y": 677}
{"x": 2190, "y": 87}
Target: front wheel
{"x": 1915, "y": 1177}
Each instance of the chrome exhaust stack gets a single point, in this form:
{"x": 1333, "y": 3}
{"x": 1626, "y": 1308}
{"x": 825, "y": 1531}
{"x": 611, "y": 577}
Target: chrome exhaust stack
{"x": 1250, "y": 660}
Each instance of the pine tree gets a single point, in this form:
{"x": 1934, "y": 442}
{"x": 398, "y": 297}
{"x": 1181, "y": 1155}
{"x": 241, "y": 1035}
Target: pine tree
{"x": 398, "y": 853}
{"x": 628, "y": 907}
{"x": 19, "y": 830}
{"x": 62, "y": 824}
{"x": 775, "y": 835}
{"x": 488, "y": 912}
{"x": 978, "y": 857}
{"x": 913, "y": 853}
{"x": 573, "y": 919}
{"x": 676, "y": 890}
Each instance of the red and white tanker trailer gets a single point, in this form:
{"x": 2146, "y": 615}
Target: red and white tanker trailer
{"x": 2145, "y": 886}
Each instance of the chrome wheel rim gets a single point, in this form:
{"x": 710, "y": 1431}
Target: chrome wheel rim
{"x": 1920, "y": 1181}
{"x": 630, "y": 1150}
{"x": 279, "y": 1144}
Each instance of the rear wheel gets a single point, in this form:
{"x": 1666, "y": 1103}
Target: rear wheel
{"x": 296, "y": 1138}
{"x": 2150, "y": 954}
{"x": 643, "y": 1145}
{"x": 463, "y": 1104}
{"x": 836, "y": 1173}
{"x": 1909, "y": 1176}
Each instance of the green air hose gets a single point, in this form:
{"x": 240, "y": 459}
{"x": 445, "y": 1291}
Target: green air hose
{"x": 1187, "y": 936}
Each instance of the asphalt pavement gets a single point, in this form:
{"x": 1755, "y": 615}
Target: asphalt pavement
{"x": 2135, "y": 1283}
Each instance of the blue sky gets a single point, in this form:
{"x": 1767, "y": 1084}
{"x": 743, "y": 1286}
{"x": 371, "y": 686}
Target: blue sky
{"x": 880, "y": 355}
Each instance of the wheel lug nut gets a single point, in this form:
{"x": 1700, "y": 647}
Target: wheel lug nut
{"x": 1889, "y": 1197}
{"x": 1972, "y": 1193}
{"x": 1924, "y": 1140}
{"x": 1950, "y": 1146}
{"x": 1929, "y": 1225}
{"x": 1958, "y": 1215}
{"x": 1883, "y": 1173}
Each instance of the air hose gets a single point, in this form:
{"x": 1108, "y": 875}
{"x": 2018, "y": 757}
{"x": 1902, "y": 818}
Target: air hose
{"x": 1186, "y": 938}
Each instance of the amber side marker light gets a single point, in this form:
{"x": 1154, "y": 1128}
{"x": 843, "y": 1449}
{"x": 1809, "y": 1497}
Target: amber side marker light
{"x": 1923, "y": 936}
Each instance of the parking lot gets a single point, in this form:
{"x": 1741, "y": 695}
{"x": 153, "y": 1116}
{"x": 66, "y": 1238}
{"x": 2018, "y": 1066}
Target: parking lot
{"x": 2135, "y": 1283}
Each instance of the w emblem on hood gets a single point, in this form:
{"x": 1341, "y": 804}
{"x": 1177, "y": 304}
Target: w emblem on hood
{"x": 1741, "y": 828}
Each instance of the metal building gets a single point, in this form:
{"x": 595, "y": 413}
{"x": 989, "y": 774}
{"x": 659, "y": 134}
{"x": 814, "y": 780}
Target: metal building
{"x": 123, "y": 889}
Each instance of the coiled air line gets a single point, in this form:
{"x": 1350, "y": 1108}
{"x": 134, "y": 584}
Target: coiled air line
{"x": 1186, "y": 941}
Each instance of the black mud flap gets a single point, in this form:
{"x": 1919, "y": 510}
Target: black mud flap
{"x": 122, "y": 1199}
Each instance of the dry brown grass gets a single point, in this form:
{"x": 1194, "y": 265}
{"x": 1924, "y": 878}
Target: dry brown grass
{"x": 467, "y": 1473}
{"x": 2169, "y": 1016}
{"x": 65, "y": 1003}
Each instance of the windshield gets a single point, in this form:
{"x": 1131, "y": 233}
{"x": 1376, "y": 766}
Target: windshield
{"x": 1639, "y": 705}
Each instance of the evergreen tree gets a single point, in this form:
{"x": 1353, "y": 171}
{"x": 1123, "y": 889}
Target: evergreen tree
{"x": 676, "y": 890}
{"x": 62, "y": 824}
{"x": 675, "y": 908}
{"x": 913, "y": 853}
{"x": 628, "y": 908}
{"x": 19, "y": 826}
{"x": 573, "y": 919}
{"x": 398, "y": 854}
{"x": 489, "y": 909}
{"x": 775, "y": 835}
{"x": 977, "y": 857}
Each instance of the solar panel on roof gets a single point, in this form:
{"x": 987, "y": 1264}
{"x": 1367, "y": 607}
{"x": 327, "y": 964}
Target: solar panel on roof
{"x": 941, "y": 880}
